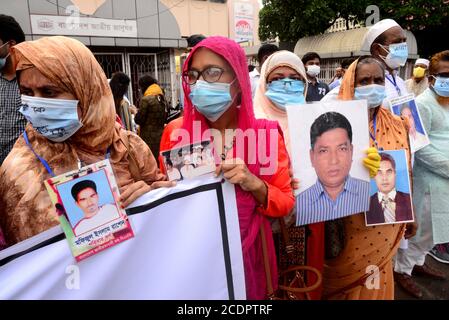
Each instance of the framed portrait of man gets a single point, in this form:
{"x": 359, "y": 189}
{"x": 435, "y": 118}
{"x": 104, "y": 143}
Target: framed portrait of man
{"x": 390, "y": 200}
{"x": 328, "y": 143}
{"x": 89, "y": 202}
{"x": 405, "y": 106}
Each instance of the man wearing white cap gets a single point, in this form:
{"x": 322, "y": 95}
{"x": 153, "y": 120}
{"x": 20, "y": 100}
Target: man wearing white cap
{"x": 418, "y": 82}
{"x": 387, "y": 41}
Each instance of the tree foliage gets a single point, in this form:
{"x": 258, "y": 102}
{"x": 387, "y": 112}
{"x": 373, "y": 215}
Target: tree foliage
{"x": 416, "y": 15}
{"x": 291, "y": 20}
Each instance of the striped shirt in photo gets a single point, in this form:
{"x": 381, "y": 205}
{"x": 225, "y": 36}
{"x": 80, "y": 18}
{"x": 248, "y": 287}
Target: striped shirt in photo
{"x": 315, "y": 205}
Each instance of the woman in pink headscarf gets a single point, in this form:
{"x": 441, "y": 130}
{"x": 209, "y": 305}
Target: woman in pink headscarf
{"x": 218, "y": 97}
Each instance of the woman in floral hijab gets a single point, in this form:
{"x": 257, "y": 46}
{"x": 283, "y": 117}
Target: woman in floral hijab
{"x": 63, "y": 68}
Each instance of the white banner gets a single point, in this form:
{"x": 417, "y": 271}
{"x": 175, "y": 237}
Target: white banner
{"x": 186, "y": 246}
{"x": 243, "y": 9}
{"x": 83, "y": 26}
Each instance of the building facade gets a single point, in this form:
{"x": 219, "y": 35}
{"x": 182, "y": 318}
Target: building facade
{"x": 138, "y": 36}
{"x": 234, "y": 19}
{"x": 133, "y": 36}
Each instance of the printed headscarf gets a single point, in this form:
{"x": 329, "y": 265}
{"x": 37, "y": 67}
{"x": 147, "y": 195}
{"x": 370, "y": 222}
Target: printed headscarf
{"x": 25, "y": 207}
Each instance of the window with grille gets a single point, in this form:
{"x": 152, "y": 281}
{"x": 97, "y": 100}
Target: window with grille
{"x": 110, "y": 62}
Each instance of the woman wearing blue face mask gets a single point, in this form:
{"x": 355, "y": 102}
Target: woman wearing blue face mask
{"x": 282, "y": 82}
{"x": 70, "y": 108}
{"x": 344, "y": 274}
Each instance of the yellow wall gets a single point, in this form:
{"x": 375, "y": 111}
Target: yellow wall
{"x": 209, "y": 18}
{"x": 204, "y": 17}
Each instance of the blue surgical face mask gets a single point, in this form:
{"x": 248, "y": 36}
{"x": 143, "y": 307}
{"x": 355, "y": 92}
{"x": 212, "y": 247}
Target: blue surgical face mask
{"x": 211, "y": 99}
{"x": 397, "y": 55}
{"x": 3, "y": 60}
{"x": 441, "y": 86}
{"x": 55, "y": 119}
{"x": 286, "y": 91}
{"x": 373, "y": 93}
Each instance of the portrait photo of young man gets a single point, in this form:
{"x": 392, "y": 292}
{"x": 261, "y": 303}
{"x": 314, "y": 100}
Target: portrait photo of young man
{"x": 87, "y": 199}
{"x": 389, "y": 205}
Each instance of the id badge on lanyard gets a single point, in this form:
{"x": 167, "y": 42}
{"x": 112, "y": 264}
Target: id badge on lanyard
{"x": 85, "y": 201}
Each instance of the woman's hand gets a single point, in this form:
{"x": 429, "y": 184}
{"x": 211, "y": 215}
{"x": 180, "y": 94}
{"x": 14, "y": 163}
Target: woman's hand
{"x": 372, "y": 161}
{"x": 133, "y": 109}
{"x": 410, "y": 230}
{"x": 236, "y": 172}
{"x": 134, "y": 191}
{"x": 295, "y": 182}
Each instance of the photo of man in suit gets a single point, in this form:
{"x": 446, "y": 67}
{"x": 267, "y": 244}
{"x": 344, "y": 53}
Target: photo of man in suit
{"x": 388, "y": 205}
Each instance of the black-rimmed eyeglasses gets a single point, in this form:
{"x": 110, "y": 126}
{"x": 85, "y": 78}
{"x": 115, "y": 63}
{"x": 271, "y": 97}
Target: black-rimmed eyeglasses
{"x": 211, "y": 75}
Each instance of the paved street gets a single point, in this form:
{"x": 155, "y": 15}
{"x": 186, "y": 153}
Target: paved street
{"x": 432, "y": 289}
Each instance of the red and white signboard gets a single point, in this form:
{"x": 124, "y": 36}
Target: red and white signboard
{"x": 243, "y": 21}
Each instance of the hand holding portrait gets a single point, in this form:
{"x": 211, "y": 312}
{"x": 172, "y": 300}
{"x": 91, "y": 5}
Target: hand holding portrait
{"x": 372, "y": 161}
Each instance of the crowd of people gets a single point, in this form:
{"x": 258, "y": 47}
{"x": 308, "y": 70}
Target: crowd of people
{"x": 66, "y": 124}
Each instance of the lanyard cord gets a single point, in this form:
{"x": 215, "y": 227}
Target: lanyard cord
{"x": 373, "y": 135}
{"x": 42, "y": 160}
{"x": 393, "y": 82}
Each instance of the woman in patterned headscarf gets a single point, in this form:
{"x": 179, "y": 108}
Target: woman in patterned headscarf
{"x": 348, "y": 275}
{"x": 2, "y": 240}
{"x": 63, "y": 68}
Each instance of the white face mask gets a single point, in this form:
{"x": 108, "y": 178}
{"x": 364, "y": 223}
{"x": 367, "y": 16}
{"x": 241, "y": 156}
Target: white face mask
{"x": 55, "y": 119}
{"x": 397, "y": 55}
{"x": 313, "y": 70}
